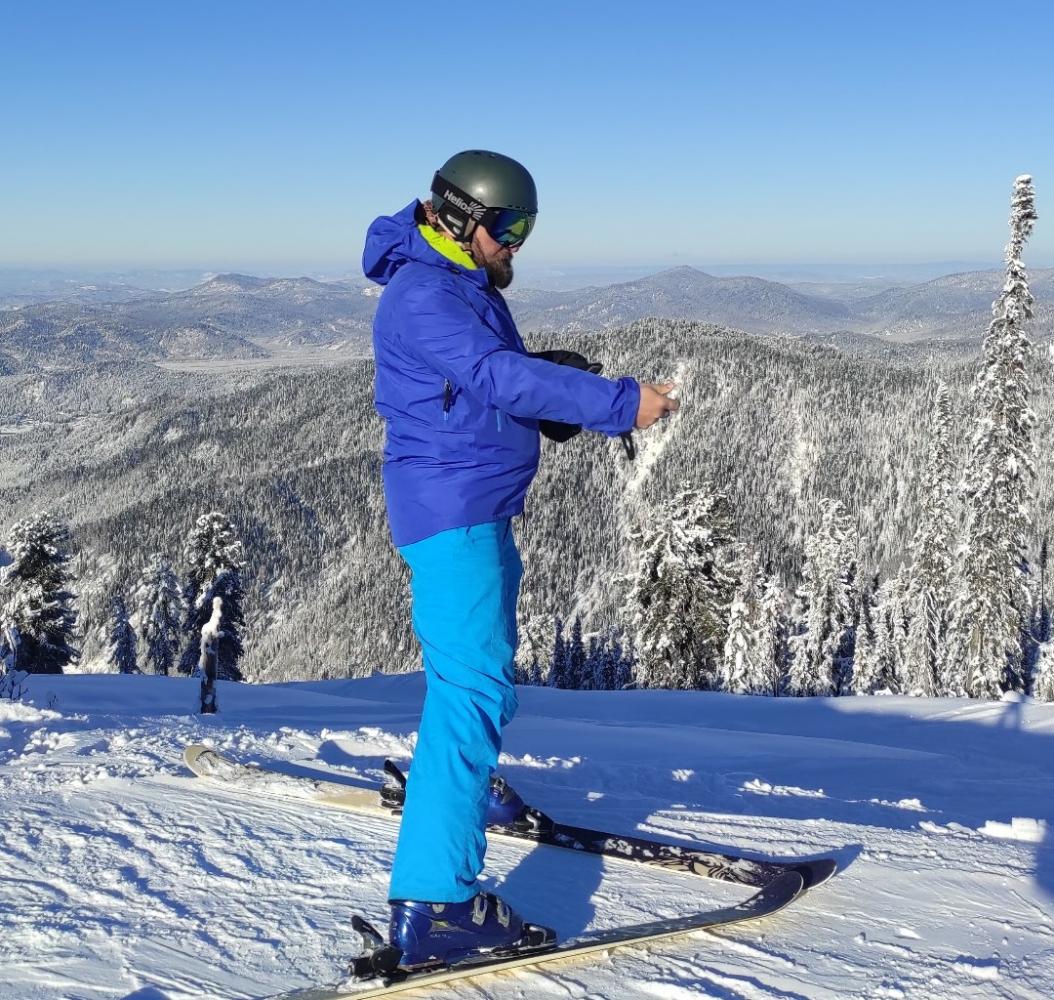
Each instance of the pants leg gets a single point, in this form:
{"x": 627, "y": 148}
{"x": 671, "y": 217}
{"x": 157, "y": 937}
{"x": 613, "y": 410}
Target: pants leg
{"x": 465, "y": 583}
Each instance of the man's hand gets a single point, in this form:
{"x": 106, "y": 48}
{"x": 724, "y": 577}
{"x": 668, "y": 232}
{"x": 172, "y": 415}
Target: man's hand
{"x": 655, "y": 402}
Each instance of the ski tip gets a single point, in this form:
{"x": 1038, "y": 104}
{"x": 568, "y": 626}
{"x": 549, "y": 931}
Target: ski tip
{"x": 193, "y": 751}
{"x": 788, "y": 884}
{"x": 817, "y": 872}
{"x": 367, "y": 931}
{"x": 392, "y": 770}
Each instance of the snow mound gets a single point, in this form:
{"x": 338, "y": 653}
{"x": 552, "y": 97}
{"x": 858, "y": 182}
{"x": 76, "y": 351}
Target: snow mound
{"x": 1031, "y": 831}
{"x": 912, "y": 805}
{"x": 16, "y": 711}
{"x": 759, "y": 787}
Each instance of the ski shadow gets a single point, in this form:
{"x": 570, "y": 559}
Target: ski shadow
{"x": 581, "y": 878}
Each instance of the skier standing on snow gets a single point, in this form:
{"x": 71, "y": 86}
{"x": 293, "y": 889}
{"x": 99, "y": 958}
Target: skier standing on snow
{"x": 462, "y": 401}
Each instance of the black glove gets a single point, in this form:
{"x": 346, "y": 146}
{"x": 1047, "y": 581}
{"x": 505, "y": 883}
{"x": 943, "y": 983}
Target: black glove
{"x": 553, "y": 429}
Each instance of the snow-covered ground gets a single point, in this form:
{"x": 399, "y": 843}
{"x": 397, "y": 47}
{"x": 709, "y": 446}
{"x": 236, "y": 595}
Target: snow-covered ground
{"x": 122, "y": 876}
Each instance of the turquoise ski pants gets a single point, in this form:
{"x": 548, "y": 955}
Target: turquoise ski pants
{"x": 464, "y": 586}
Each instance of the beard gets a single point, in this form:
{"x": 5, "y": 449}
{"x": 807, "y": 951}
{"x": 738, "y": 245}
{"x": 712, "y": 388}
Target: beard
{"x": 499, "y": 272}
{"x": 498, "y": 267}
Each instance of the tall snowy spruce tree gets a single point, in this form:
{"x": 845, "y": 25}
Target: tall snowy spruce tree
{"x": 558, "y": 665}
{"x": 576, "y": 658}
{"x": 771, "y": 654}
{"x": 991, "y": 601}
{"x": 36, "y": 606}
{"x": 1038, "y": 632}
{"x": 606, "y": 667}
{"x": 755, "y": 648}
{"x": 680, "y": 592}
{"x": 534, "y": 652}
{"x": 122, "y": 645}
{"x": 1043, "y": 678}
{"x": 214, "y": 557}
{"x": 867, "y": 662}
{"x": 929, "y": 589}
{"x": 740, "y": 640}
{"x": 821, "y": 644}
{"x": 159, "y": 610}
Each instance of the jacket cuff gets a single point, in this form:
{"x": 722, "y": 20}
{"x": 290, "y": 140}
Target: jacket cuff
{"x": 629, "y": 391}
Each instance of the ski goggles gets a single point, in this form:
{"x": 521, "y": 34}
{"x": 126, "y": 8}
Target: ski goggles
{"x": 508, "y": 226}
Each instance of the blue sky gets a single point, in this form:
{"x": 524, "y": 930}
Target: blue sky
{"x": 266, "y": 136}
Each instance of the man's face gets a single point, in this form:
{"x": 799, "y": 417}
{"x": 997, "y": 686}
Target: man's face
{"x": 493, "y": 257}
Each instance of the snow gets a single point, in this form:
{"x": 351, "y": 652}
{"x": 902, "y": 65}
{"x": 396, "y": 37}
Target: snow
{"x": 1032, "y": 831}
{"x": 122, "y": 876}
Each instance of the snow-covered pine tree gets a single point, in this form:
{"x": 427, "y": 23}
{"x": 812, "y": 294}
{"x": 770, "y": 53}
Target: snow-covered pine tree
{"x": 606, "y": 666}
{"x": 770, "y": 660}
{"x": 558, "y": 668}
{"x": 121, "y": 647}
{"x": 12, "y": 680}
{"x": 991, "y": 596}
{"x": 824, "y": 620}
{"x": 1037, "y": 631}
{"x": 891, "y": 633}
{"x": 35, "y": 602}
{"x": 740, "y": 668}
{"x": 534, "y": 653}
{"x": 622, "y": 665}
{"x": 867, "y": 663}
{"x": 576, "y": 657}
{"x": 214, "y": 557}
{"x": 680, "y": 591}
{"x": 9, "y": 643}
{"x": 208, "y": 657}
{"x": 1043, "y": 678}
{"x": 594, "y": 668}
{"x": 737, "y": 645}
{"x": 159, "y": 609}
{"x": 929, "y": 589}
{"x": 1043, "y": 630}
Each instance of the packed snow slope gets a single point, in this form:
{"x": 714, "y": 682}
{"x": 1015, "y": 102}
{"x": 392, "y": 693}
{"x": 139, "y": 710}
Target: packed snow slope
{"x": 123, "y": 876}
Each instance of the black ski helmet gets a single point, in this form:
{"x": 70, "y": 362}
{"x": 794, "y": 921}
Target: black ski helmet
{"x": 476, "y": 182}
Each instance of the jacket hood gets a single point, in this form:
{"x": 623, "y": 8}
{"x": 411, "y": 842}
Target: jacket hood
{"x": 395, "y": 240}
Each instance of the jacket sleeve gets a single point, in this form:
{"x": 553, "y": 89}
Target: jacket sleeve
{"x": 442, "y": 330}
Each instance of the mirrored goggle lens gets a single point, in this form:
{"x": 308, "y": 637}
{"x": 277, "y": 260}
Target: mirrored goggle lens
{"x": 509, "y": 226}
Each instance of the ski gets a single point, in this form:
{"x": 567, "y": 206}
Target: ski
{"x": 389, "y": 979}
{"x": 534, "y": 827}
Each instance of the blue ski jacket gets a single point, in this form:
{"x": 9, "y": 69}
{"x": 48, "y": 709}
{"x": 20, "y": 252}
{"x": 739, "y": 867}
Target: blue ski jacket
{"x": 460, "y": 396}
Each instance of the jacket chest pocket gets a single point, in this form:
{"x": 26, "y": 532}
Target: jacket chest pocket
{"x": 456, "y": 409}
{"x": 459, "y": 411}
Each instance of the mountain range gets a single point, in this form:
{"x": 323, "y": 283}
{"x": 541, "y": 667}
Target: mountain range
{"x": 241, "y": 317}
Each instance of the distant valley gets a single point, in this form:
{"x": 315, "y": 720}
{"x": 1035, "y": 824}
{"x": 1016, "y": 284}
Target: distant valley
{"x": 256, "y": 320}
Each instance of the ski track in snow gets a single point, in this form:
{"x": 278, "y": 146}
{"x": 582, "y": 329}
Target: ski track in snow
{"x": 123, "y": 877}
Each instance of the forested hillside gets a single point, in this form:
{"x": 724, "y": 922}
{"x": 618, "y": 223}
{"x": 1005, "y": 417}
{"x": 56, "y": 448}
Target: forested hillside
{"x": 293, "y": 458}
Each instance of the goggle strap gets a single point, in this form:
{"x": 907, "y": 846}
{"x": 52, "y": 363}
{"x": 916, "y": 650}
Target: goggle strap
{"x": 459, "y": 208}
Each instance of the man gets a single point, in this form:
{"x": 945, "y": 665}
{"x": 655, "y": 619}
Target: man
{"x": 463, "y": 401}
